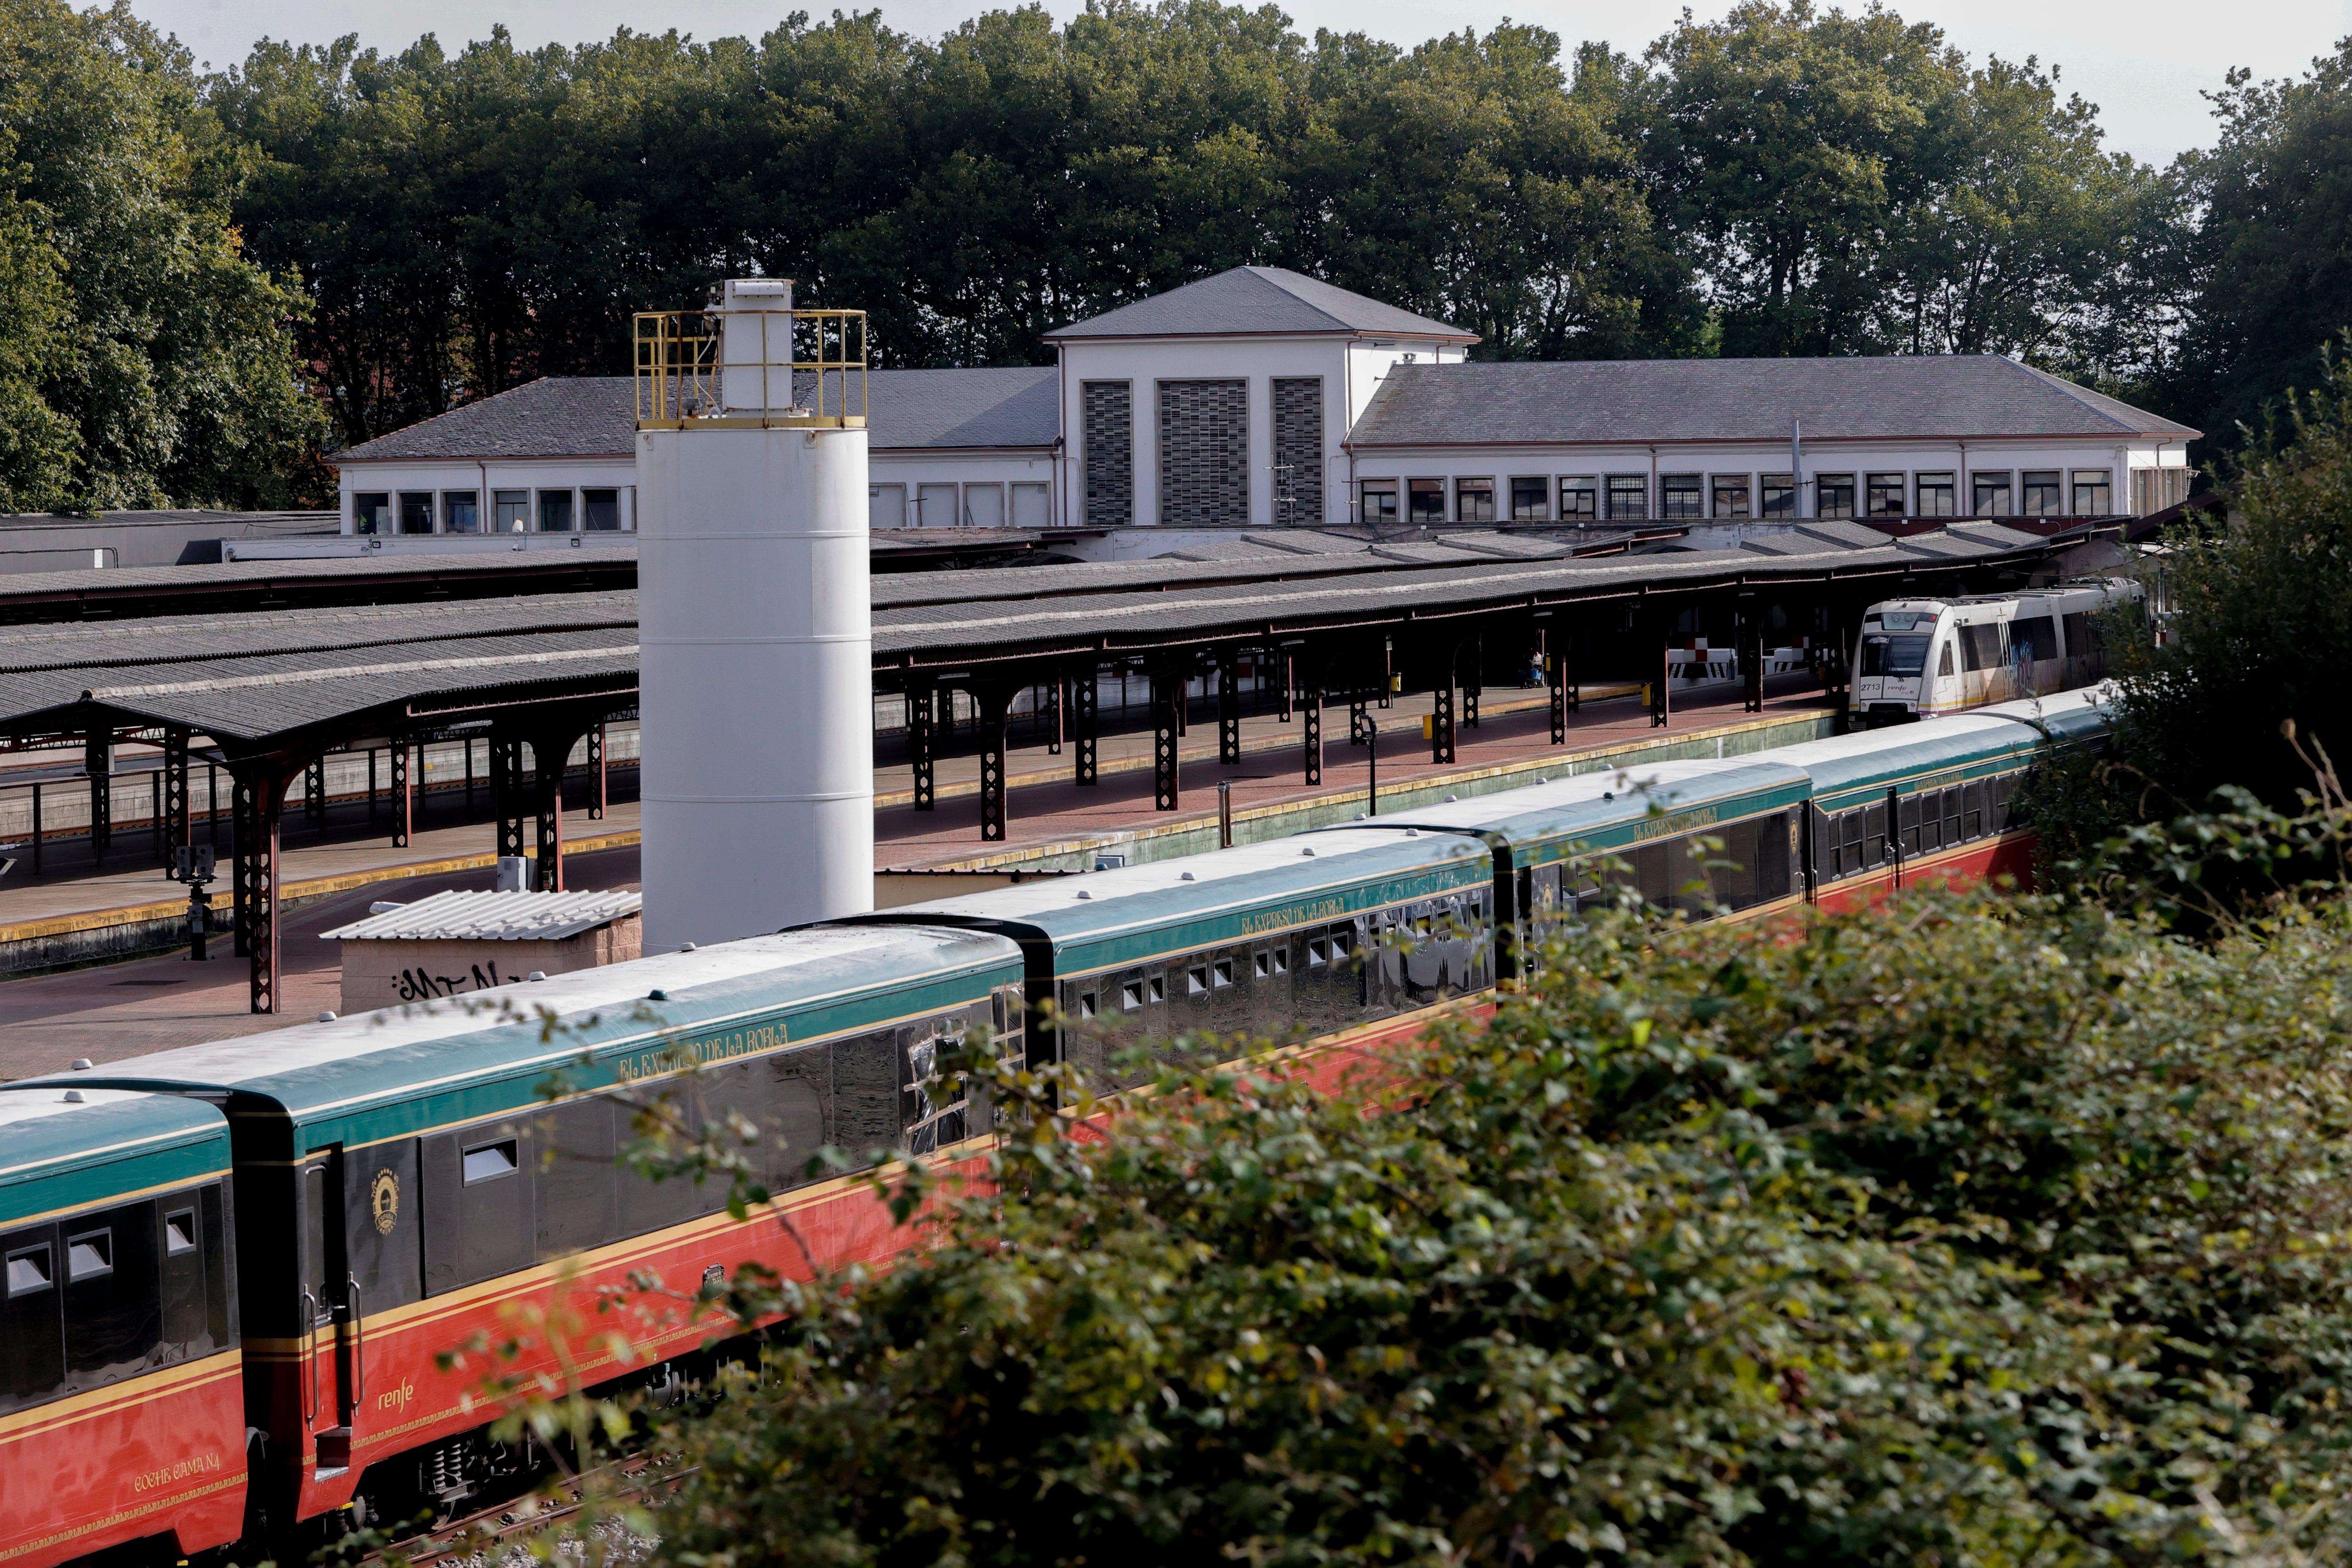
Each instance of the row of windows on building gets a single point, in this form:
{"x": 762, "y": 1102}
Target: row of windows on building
{"x": 948, "y": 505}
{"x": 512, "y": 511}
{"x": 1592, "y": 498}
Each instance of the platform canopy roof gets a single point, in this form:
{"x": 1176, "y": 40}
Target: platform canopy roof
{"x": 284, "y": 680}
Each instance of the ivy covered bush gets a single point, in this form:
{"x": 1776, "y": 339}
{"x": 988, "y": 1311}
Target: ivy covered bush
{"x": 1964, "y": 1231}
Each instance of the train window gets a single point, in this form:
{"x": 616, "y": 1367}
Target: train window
{"x": 32, "y": 1332}
{"x": 1132, "y": 996}
{"x": 1196, "y": 979}
{"x": 113, "y": 1299}
{"x": 1981, "y": 646}
{"x": 1158, "y": 987}
{"x": 1224, "y": 972}
{"x": 1281, "y": 959}
{"x": 2034, "y": 638}
{"x": 1944, "y": 660}
{"x": 186, "y": 1328}
{"x": 28, "y": 1270}
{"x": 90, "y": 1254}
{"x": 1952, "y": 815}
{"x": 477, "y": 1214}
{"x": 489, "y": 1161}
{"x": 1972, "y": 810}
{"x": 1773, "y": 836}
{"x": 1264, "y": 964}
{"x": 1894, "y": 655}
{"x": 1319, "y": 953}
{"x": 1087, "y": 1004}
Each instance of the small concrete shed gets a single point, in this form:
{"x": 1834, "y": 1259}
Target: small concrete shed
{"x": 452, "y": 944}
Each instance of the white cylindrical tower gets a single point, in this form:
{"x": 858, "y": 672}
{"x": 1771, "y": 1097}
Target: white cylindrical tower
{"x": 754, "y": 620}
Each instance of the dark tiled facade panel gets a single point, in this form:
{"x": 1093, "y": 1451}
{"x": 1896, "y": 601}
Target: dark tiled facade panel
{"x": 1109, "y": 410}
{"x": 1204, "y": 452}
{"x": 1298, "y": 443}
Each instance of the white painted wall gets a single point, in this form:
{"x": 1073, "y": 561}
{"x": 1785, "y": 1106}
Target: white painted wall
{"x": 487, "y": 477}
{"x": 1753, "y": 459}
{"x": 1349, "y": 368}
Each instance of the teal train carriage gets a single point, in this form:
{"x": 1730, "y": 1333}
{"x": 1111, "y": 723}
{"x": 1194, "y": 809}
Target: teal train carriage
{"x": 1699, "y": 836}
{"x": 122, "y": 1414}
{"x": 1348, "y": 935}
{"x": 404, "y": 1181}
{"x": 1934, "y": 799}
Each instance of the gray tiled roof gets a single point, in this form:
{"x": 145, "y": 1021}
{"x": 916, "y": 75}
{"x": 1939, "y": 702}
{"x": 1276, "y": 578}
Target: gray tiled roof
{"x": 1249, "y": 299}
{"x": 596, "y": 416}
{"x": 556, "y": 416}
{"x": 1605, "y": 402}
{"x": 1020, "y": 406}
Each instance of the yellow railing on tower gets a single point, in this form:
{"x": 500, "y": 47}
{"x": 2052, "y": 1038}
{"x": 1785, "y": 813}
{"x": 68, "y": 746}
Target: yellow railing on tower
{"x": 803, "y": 369}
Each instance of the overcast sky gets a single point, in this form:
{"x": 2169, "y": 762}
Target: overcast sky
{"x": 2142, "y": 62}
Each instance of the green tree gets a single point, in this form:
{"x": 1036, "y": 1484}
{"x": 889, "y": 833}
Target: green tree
{"x": 1786, "y": 143}
{"x": 154, "y": 366}
{"x": 2261, "y": 259}
{"x": 2256, "y": 615}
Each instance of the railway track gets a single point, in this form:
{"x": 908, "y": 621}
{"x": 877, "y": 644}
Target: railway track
{"x": 485, "y": 1535}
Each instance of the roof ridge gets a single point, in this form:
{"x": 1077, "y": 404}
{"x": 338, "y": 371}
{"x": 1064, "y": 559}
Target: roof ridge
{"x": 2066, "y": 389}
{"x": 1267, "y": 275}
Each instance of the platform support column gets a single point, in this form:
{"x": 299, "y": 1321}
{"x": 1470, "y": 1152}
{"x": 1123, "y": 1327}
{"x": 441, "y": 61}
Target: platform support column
{"x": 992, "y": 705}
{"x": 1553, "y": 662}
{"x": 1311, "y": 716}
{"x": 1167, "y": 688}
{"x": 404, "y": 802}
{"x": 921, "y": 749}
{"x": 506, "y": 792}
{"x": 1286, "y": 670}
{"x": 598, "y": 802}
{"x": 260, "y": 801}
{"x": 1085, "y": 692}
{"x": 1388, "y": 672}
{"x": 314, "y": 793}
{"x": 1661, "y": 642}
{"x": 1056, "y": 690}
{"x": 1751, "y": 657}
{"x": 1473, "y": 682}
{"x": 97, "y": 762}
{"x": 1441, "y": 725}
{"x": 178, "y": 821}
{"x": 549, "y": 753}
{"x": 1229, "y": 711}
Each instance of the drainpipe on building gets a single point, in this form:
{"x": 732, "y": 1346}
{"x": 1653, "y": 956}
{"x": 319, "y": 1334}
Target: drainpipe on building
{"x": 1347, "y": 383}
{"x": 1797, "y": 466}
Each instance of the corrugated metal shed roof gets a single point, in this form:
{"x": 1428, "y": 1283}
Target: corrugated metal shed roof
{"x": 1612, "y": 401}
{"x": 1257, "y": 299}
{"x": 492, "y": 917}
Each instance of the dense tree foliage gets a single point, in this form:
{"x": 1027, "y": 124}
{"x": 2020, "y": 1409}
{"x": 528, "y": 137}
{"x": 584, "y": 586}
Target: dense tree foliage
{"x": 145, "y": 360}
{"x": 434, "y": 225}
{"x": 2236, "y": 696}
{"x": 1951, "y": 1232}
{"x": 1786, "y": 180}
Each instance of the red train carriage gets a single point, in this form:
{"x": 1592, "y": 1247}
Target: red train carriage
{"x": 121, "y": 1417}
{"x": 403, "y": 1182}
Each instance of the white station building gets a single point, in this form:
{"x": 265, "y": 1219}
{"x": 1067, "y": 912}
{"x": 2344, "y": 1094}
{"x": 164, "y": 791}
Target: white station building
{"x": 1262, "y": 398}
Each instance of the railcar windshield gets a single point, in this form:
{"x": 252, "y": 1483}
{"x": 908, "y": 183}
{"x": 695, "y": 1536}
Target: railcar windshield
{"x": 1894, "y": 655}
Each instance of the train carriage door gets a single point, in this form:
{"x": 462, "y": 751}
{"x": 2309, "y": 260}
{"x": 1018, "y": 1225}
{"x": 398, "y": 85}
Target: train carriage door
{"x": 327, "y": 1358}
